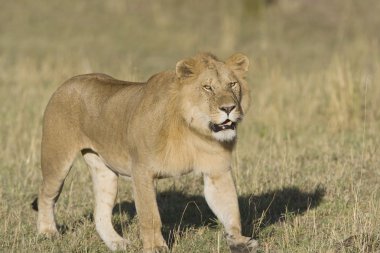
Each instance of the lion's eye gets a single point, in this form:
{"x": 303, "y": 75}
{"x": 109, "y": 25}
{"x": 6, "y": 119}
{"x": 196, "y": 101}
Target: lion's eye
{"x": 233, "y": 84}
{"x": 207, "y": 87}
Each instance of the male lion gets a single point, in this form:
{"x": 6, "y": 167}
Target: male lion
{"x": 176, "y": 122}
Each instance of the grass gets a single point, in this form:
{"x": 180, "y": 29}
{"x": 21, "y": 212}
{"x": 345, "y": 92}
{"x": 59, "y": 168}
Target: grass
{"x": 307, "y": 162}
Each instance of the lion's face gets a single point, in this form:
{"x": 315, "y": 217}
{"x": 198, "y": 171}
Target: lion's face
{"x": 215, "y": 95}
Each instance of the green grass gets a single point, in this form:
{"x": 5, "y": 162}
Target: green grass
{"x": 307, "y": 161}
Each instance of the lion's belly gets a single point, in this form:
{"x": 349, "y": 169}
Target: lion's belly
{"x": 171, "y": 171}
{"x": 121, "y": 169}
{"x": 202, "y": 163}
{"x": 119, "y": 164}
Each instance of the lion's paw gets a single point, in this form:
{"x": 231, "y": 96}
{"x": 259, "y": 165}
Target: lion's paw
{"x": 117, "y": 245}
{"x": 48, "y": 231}
{"x": 159, "y": 249}
{"x": 242, "y": 244}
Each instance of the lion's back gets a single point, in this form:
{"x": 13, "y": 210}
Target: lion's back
{"x": 82, "y": 100}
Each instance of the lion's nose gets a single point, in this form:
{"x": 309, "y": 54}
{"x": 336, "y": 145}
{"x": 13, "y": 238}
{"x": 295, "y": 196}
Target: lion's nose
{"x": 227, "y": 109}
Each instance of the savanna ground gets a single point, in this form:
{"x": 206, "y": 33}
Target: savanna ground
{"x": 307, "y": 161}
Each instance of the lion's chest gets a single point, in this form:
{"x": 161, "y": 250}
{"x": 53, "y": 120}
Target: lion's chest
{"x": 184, "y": 157}
{"x": 175, "y": 160}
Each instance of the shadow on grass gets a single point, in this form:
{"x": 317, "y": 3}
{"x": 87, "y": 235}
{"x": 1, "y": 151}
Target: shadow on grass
{"x": 180, "y": 211}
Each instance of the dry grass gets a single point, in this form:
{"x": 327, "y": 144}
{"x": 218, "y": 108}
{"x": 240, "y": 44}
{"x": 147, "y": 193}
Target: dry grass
{"x": 307, "y": 164}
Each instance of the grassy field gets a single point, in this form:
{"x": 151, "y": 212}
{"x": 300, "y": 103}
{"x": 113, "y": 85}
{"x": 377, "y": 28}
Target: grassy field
{"x": 307, "y": 162}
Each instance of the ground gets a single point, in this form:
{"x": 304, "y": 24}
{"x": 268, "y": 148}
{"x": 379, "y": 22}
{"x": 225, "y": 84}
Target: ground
{"x": 307, "y": 160}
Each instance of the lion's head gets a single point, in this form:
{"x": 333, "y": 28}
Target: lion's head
{"x": 214, "y": 94}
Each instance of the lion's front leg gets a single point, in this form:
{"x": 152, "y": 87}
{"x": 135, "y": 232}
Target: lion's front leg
{"x": 221, "y": 196}
{"x": 147, "y": 211}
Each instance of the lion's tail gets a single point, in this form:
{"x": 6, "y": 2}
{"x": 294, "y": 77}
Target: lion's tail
{"x": 35, "y": 204}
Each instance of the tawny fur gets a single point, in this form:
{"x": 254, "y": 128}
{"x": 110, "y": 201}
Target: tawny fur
{"x": 145, "y": 131}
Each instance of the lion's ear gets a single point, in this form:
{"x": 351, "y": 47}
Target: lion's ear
{"x": 238, "y": 63}
{"x": 185, "y": 68}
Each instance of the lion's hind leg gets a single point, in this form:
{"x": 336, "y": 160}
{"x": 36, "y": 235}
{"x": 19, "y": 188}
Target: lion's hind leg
{"x": 105, "y": 191}
{"x": 56, "y": 161}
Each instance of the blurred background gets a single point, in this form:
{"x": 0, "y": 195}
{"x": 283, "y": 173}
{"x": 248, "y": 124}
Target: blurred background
{"x": 325, "y": 51}
{"x": 315, "y": 117}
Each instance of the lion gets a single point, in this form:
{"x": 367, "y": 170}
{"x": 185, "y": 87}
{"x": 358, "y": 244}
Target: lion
{"x": 178, "y": 121}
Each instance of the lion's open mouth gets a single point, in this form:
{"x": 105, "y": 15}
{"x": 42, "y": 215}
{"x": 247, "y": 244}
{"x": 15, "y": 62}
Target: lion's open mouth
{"x": 227, "y": 124}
